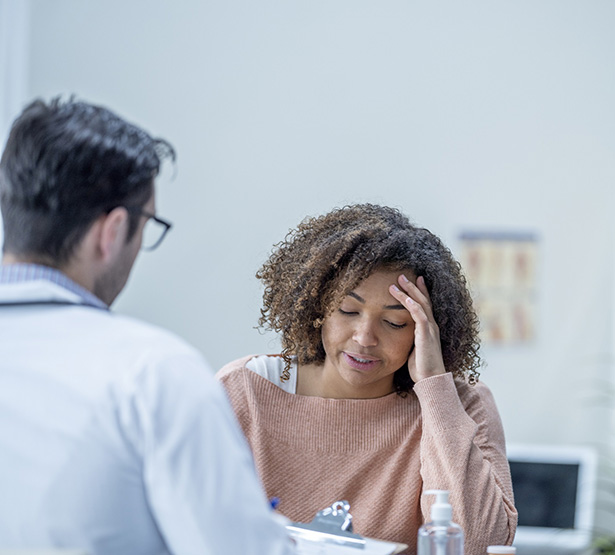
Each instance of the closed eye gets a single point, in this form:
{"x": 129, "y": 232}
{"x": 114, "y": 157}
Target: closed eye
{"x": 346, "y": 313}
{"x": 396, "y": 326}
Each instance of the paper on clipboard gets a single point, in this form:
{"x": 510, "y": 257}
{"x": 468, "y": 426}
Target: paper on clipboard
{"x": 372, "y": 547}
{"x": 330, "y": 533}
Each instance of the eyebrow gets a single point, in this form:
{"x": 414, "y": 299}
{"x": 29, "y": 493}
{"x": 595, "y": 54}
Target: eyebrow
{"x": 386, "y": 307}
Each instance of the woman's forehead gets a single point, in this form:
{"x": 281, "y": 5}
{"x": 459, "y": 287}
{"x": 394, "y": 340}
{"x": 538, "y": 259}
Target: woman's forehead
{"x": 380, "y": 280}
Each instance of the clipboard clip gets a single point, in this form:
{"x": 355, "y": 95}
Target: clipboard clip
{"x": 331, "y": 525}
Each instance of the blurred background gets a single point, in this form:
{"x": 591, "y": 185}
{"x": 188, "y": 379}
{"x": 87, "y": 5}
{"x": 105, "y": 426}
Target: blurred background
{"x": 478, "y": 116}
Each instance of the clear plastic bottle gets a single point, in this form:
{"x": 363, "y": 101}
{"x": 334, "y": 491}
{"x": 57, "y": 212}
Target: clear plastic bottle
{"x": 440, "y": 536}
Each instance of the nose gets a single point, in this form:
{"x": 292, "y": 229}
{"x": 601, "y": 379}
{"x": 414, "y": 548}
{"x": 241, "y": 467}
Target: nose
{"x": 365, "y": 333}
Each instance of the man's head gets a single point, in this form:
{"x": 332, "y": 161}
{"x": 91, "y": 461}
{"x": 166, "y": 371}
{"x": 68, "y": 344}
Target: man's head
{"x": 70, "y": 165}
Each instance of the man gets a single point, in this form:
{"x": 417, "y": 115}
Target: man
{"x": 114, "y": 436}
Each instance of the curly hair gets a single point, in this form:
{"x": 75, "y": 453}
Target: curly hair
{"x": 317, "y": 264}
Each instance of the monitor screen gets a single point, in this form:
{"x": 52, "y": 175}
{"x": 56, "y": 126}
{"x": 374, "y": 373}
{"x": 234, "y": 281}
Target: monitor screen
{"x": 554, "y": 489}
{"x": 545, "y": 493}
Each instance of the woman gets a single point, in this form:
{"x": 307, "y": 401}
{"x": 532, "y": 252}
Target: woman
{"x": 375, "y": 397}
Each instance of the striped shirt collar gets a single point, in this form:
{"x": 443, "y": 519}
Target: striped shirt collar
{"x": 21, "y": 273}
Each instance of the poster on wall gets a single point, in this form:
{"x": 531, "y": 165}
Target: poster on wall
{"x": 501, "y": 271}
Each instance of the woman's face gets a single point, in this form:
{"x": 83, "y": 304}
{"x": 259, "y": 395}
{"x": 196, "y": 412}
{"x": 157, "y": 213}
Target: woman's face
{"x": 367, "y": 339}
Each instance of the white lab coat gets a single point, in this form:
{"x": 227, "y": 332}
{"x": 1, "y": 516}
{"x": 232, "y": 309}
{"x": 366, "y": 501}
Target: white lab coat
{"x": 115, "y": 437}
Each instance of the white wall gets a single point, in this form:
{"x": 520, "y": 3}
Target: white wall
{"x": 467, "y": 115}
{"x": 14, "y": 48}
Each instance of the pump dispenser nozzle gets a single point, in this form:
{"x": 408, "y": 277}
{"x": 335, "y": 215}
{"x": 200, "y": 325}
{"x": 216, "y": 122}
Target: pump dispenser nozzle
{"x": 441, "y": 510}
{"x": 441, "y": 536}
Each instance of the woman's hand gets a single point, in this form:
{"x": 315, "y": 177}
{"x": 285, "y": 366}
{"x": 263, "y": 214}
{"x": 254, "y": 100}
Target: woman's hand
{"x": 426, "y": 357}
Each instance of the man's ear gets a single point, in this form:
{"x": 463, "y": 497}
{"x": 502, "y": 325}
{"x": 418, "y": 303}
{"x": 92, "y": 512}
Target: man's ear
{"x": 113, "y": 232}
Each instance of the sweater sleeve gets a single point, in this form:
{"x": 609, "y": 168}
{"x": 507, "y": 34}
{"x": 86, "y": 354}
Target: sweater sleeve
{"x": 236, "y": 388}
{"x": 463, "y": 451}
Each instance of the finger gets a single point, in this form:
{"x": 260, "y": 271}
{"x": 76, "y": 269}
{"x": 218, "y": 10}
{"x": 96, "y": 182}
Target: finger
{"x": 422, "y": 286}
{"x": 418, "y": 292}
{"x": 415, "y": 308}
{"x": 412, "y": 288}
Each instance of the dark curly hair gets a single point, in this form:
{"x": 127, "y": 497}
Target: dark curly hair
{"x": 311, "y": 271}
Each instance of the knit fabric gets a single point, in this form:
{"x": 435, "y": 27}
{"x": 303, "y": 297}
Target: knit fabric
{"x": 380, "y": 455}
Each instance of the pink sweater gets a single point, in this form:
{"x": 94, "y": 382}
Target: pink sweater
{"x": 380, "y": 454}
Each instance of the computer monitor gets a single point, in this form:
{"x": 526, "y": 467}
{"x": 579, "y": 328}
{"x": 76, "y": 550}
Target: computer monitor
{"x": 554, "y": 490}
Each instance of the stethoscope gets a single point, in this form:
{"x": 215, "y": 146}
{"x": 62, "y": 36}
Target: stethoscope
{"x": 52, "y": 302}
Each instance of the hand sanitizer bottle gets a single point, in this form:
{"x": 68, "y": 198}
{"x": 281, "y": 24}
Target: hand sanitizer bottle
{"x": 441, "y": 536}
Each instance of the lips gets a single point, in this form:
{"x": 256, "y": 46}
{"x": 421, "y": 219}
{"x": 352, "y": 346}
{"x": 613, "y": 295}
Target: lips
{"x": 360, "y": 362}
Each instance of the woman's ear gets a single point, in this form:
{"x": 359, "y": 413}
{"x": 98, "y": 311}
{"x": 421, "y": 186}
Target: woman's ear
{"x": 113, "y": 232}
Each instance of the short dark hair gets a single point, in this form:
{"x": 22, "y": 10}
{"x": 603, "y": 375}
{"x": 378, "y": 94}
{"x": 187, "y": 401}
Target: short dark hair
{"x": 65, "y": 164}
{"x": 309, "y": 273}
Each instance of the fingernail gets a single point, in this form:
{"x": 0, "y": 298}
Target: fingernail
{"x": 405, "y": 279}
{"x": 395, "y": 288}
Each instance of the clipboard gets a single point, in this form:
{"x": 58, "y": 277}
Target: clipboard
{"x": 330, "y": 533}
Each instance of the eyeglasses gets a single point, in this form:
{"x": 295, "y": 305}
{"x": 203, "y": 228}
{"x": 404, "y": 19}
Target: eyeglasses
{"x": 155, "y": 228}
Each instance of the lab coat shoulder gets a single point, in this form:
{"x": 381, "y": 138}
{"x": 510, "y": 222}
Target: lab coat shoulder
{"x": 156, "y": 378}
